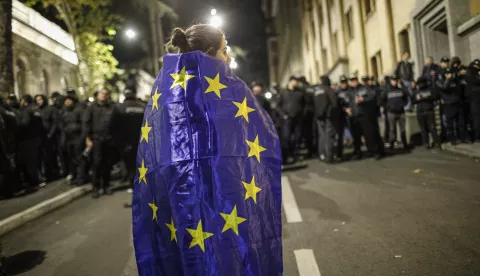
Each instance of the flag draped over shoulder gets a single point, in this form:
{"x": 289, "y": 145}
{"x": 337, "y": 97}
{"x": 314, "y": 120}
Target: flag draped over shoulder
{"x": 207, "y": 196}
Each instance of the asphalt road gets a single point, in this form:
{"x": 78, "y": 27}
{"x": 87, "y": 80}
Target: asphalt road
{"x": 414, "y": 214}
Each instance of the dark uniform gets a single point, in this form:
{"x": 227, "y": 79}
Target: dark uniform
{"x": 325, "y": 104}
{"x": 71, "y": 125}
{"x": 341, "y": 121}
{"x": 97, "y": 125}
{"x": 395, "y": 100}
{"x": 473, "y": 95}
{"x": 30, "y": 125}
{"x": 450, "y": 92}
{"x": 8, "y": 146}
{"x": 127, "y": 122}
{"x": 364, "y": 120}
{"x": 424, "y": 97}
{"x": 291, "y": 105}
{"x": 49, "y": 137}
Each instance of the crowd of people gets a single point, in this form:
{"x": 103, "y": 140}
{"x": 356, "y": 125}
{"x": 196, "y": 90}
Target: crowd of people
{"x": 327, "y": 116}
{"x": 42, "y": 140}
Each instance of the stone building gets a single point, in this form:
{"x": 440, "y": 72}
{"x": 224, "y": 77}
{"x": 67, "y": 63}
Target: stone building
{"x": 43, "y": 54}
{"x": 335, "y": 37}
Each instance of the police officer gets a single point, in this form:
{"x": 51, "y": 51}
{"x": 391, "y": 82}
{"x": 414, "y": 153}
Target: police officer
{"x": 473, "y": 95}
{"x": 258, "y": 90}
{"x": 309, "y": 125}
{"x": 325, "y": 104}
{"x": 291, "y": 105}
{"x": 395, "y": 100}
{"x": 49, "y": 137}
{"x": 8, "y": 145}
{"x": 450, "y": 92}
{"x": 71, "y": 125}
{"x": 97, "y": 123}
{"x": 440, "y": 77}
{"x": 127, "y": 122}
{"x": 341, "y": 122}
{"x": 30, "y": 124}
{"x": 361, "y": 108}
{"x": 424, "y": 97}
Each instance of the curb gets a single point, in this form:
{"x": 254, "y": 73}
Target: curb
{"x": 462, "y": 151}
{"x": 41, "y": 209}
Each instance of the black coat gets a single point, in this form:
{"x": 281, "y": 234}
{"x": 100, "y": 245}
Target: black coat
{"x": 472, "y": 89}
{"x": 30, "y": 124}
{"x": 395, "y": 99}
{"x": 127, "y": 121}
{"x": 50, "y": 119}
{"x": 424, "y": 99}
{"x": 404, "y": 70}
{"x": 450, "y": 90}
{"x": 366, "y": 108}
{"x": 71, "y": 123}
{"x": 292, "y": 103}
{"x": 325, "y": 102}
{"x": 97, "y": 121}
{"x": 263, "y": 102}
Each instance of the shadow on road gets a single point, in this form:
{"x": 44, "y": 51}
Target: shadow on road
{"x": 23, "y": 262}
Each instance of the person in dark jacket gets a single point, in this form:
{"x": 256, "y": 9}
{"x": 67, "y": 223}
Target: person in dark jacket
{"x": 97, "y": 129}
{"x": 395, "y": 100}
{"x": 325, "y": 103}
{"x": 30, "y": 124}
{"x": 450, "y": 93}
{"x": 473, "y": 95}
{"x": 342, "y": 123}
{"x": 126, "y": 126}
{"x": 429, "y": 71}
{"x": 404, "y": 71}
{"x": 424, "y": 97}
{"x": 71, "y": 125}
{"x": 360, "y": 106}
{"x": 49, "y": 137}
{"x": 309, "y": 126}
{"x": 12, "y": 102}
{"x": 258, "y": 90}
{"x": 291, "y": 107}
{"x": 8, "y": 146}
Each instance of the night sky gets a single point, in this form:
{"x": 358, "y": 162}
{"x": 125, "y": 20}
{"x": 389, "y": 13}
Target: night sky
{"x": 243, "y": 26}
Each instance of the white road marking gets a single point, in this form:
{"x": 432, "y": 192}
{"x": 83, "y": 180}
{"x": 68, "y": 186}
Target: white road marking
{"x": 306, "y": 263}
{"x": 290, "y": 207}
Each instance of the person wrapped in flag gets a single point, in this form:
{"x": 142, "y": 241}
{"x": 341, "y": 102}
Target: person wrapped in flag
{"x": 207, "y": 196}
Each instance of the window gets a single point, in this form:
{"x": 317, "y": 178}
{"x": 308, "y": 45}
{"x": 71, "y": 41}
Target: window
{"x": 376, "y": 63}
{"x": 44, "y": 82}
{"x": 334, "y": 47}
{"x": 324, "y": 58}
{"x": 307, "y": 42}
{"x": 369, "y": 7}
{"x": 21, "y": 77}
{"x": 349, "y": 24}
{"x": 64, "y": 83}
{"x": 404, "y": 41}
{"x": 320, "y": 13}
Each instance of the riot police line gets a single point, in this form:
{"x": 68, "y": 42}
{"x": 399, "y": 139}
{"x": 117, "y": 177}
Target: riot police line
{"x": 42, "y": 140}
{"x": 322, "y": 120}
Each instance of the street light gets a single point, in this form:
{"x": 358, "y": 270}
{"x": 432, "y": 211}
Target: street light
{"x": 131, "y": 34}
{"x": 213, "y": 12}
{"x": 268, "y": 95}
{"x": 216, "y": 21}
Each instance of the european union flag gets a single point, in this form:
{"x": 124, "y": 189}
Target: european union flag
{"x": 207, "y": 197}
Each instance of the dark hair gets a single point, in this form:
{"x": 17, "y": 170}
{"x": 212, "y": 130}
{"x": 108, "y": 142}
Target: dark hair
{"x": 27, "y": 98}
{"x": 201, "y": 37}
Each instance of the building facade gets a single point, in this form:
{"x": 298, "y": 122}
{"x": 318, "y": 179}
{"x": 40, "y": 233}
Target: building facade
{"x": 43, "y": 54}
{"x": 368, "y": 37}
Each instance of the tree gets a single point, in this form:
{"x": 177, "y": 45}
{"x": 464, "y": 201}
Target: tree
{"x": 90, "y": 23}
{"x": 6, "y": 47}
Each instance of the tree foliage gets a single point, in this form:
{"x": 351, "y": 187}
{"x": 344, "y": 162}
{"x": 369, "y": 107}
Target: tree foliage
{"x": 90, "y": 23}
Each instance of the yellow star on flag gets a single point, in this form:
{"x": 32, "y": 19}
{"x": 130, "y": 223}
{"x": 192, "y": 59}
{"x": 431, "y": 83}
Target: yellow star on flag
{"x": 199, "y": 236}
{"x": 145, "y": 131}
{"x": 251, "y": 190}
{"x": 232, "y": 220}
{"x": 181, "y": 78}
{"x": 255, "y": 149}
{"x": 173, "y": 231}
{"x": 155, "y": 98}
{"x": 214, "y": 85}
{"x": 154, "y": 210}
{"x": 143, "y": 172}
{"x": 243, "y": 109}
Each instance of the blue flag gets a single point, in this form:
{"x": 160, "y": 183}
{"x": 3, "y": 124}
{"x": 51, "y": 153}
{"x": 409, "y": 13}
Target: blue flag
{"x": 207, "y": 196}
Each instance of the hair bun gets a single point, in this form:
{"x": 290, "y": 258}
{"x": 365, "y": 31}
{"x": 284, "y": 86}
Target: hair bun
{"x": 179, "y": 39}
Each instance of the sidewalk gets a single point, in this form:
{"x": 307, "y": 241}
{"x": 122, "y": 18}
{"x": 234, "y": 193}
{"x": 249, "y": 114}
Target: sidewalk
{"x": 19, "y": 210}
{"x": 470, "y": 150}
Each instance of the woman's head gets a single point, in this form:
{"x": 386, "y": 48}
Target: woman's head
{"x": 202, "y": 37}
